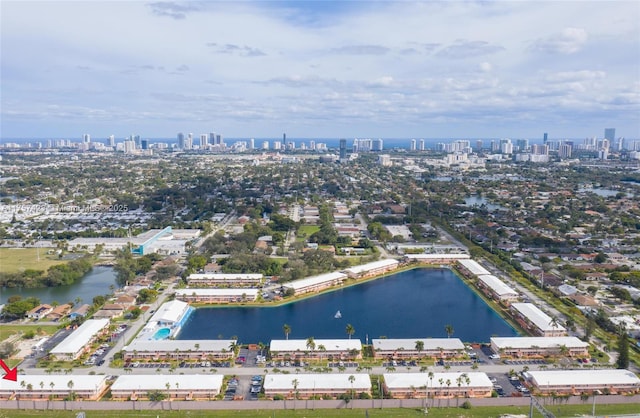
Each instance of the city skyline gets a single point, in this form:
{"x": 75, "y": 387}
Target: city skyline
{"x": 320, "y": 69}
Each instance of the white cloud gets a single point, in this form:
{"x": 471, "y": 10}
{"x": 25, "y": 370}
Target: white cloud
{"x": 569, "y": 41}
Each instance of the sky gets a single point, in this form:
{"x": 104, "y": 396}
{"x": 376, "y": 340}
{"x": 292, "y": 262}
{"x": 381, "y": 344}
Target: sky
{"x": 319, "y": 69}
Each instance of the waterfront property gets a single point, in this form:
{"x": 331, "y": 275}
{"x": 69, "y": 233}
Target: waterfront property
{"x": 472, "y": 268}
{"x": 188, "y": 387}
{"x": 532, "y": 319}
{"x": 79, "y": 341}
{"x": 320, "y": 349}
{"x": 231, "y": 280}
{"x": 496, "y": 289}
{"x": 39, "y": 311}
{"x": 213, "y": 295}
{"x": 442, "y": 385}
{"x": 304, "y": 386}
{"x": 316, "y": 283}
{"x": 164, "y": 350}
{"x": 164, "y": 241}
{"x": 408, "y": 348}
{"x": 518, "y": 347}
{"x": 45, "y": 386}
{"x": 372, "y": 269}
{"x": 575, "y": 382}
{"x": 170, "y": 317}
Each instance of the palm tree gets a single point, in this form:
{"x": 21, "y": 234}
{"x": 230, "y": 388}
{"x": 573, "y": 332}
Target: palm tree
{"x": 554, "y": 323}
{"x": 311, "y": 344}
{"x": 322, "y": 350}
{"x": 295, "y": 382}
{"x": 352, "y": 379}
{"x": 419, "y": 346}
{"x": 449, "y": 330}
{"x": 431, "y": 381}
{"x": 287, "y": 330}
{"x": 350, "y": 330}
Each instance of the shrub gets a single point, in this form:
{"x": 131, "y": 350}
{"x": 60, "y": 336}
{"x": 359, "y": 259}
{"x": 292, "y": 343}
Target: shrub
{"x": 466, "y": 405}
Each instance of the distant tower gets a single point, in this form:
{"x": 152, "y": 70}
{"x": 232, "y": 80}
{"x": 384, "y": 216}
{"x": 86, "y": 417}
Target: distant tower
{"x": 180, "y": 140}
{"x": 610, "y": 134}
{"x": 545, "y": 138}
{"x": 144, "y": 144}
{"x": 112, "y": 141}
{"x": 86, "y": 138}
{"x": 413, "y": 145}
{"x": 284, "y": 140}
{"x": 421, "y": 146}
{"x": 343, "y": 149}
{"x": 204, "y": 141}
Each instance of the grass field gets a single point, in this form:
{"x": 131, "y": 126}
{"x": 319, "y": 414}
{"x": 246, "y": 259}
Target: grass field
{"x": 305, "y": 231}
{"x": 8, "y": 330}
{"x": 14, "y": 260}
{"x": 476, "y": 412}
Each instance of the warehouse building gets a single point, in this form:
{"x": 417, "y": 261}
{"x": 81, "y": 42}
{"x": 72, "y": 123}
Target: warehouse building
{"x": 316, "y": 283}
{"x": 519, "y": 347}
{"x": 323, "y": 349}
{"x": 406, "y": 348}
{"x": 212, "y": 295}
{"x": 531, "y": 318}
{"x": 372, "y": 269}
{"x": 79, "y": 341}
{"x": 45, "y": 386}
{"x": 186, "y": 387}
{"x": 442, "y": 385}
{"x": 575, "y": 382}
{"x": 164, "y": 350}
{"x": 304, "y": 386}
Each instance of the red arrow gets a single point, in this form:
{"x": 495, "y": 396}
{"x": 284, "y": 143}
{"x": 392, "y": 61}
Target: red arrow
{"x": 12, "y": 374}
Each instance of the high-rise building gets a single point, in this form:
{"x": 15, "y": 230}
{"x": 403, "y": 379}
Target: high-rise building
{"x": 252, "y": 143}
{"x": 86, "y": 138}
{"x": 212, "y": 138}
{"x": 204, "y": 141}
{"x": 545, "y": 138}
{"x": 377, "y": 145}
{"x": 522, "y": 144}
{"x": 343, "y": 149}
{"x": 284, "y": 140}
{"x": 478, "y": 145}
{"x": 112, "y": 141}
{"x": 180, "y": 140}
{"x": 564, "y": 150}
{"x": 610, "y": 134}
{"x": 421, "y": 145}
{"x": 412, "y": 145}
{"x": 144, "y": 144}
{"x": 265, "y": 144}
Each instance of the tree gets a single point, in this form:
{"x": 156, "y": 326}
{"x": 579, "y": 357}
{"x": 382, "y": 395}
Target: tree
{"x": 350, "y": 330}
{"x": 449, "y": 330}
{"x": 311, "y": 344}
{"x": 623, "y": 349}
{"x": 352, "y": 379}
{"x": 419, "y": 346}
{"x": 287, "y": 330}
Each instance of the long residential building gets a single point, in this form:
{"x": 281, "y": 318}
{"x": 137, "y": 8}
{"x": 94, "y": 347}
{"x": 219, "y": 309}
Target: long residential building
{"x": 322, "y": 349}
{"x": 496, "y": 289}
{"x": 316, "y": 283}
{"x": 575, "y": 382}
{"x": 220, "y": 279}
{"x": 372, "y": 269}
{"x": 164, "y": 350}
{"x": 304, "y": 386}
{"x": 407, "y": 348}
{"x": 441, "y": 385}
{"x": 79, "y": 341}
{"x": 539, "y": 346}
{"x": 45, "y": 386}
{"x": 187, "y": 387}
{"x": 213, "y": 295}
{"x": 437, "y": 258}
{"x": 472, "y": 267}
{"x": 531, "y": 318}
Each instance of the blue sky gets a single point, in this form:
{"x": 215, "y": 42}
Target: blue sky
{"x": 320, "y": 69}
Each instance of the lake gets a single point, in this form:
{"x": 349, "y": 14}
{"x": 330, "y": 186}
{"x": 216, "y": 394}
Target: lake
{"x": 479, "y": 201}
{"x": 411, "y": 304}
{"x": 94, "y": 283}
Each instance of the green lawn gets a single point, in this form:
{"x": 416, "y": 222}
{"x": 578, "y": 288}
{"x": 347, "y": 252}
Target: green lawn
{"x": 14, "y": 260}
{"x": 305, "y": 231}
{"x": 8, "y": 330}
{"x": 476, "y": 412}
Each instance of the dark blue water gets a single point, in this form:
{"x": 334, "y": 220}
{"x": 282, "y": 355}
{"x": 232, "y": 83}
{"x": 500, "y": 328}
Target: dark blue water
{"x": 411, "y": 304}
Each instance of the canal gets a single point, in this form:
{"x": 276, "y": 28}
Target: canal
{"x": 97, "y": 282}
{"x": 412, "y": 304}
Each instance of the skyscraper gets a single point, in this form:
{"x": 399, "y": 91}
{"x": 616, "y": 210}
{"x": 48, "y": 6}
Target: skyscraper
{"x": 545, "y": 138}
{"x": 204, "y": 141}
{"x": 343, "y": 149}
{"x": 284, "y": 140}
{"x": 413, "y": 145}
{"x": 86, "y": 138}
{"x": 180, "y": 140}
{"x": 610, "y": 134}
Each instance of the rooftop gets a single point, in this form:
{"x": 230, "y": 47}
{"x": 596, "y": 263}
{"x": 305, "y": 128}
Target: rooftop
{"x": 329, "y": 345}
{"x": 372, "y": 266}
{"x": 334, "y": 381}
{"x": 496, "y": 285}
{"x": 169, "y": 312}
{"x": 410, "y": 343}
{"x": 133, "y": 382}
{"x": 584, "y": 377}
{"x": 315, "y": 280}
{"x": 473, "y": 267}
{"x": 535, "y": 315}
{"x": 542, "y": 342}
{"x": 141, "y": 345}
{"x": 406, "y": 380}
{"x": 80, "y": 337}
{"x": 60, "y": 382}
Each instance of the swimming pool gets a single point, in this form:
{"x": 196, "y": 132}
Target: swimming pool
{"x": 162, "y": 334}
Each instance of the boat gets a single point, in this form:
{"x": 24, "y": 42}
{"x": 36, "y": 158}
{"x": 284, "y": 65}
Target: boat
{"x": 338, "y": 315}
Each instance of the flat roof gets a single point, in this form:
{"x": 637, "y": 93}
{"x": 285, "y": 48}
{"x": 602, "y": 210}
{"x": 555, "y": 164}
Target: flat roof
{"x": 222, "y": 276}
{"x": 81, "y": 382}
{"x": 169, "y": 312}
{"x": 473, "y": 267}
{"x": 320, "y": 381}
{"x": 315, "y": 280}
{"x": 80, "y": 337}
{"x": 372, "y": 266}
{"x": 301, "y": 345}
{"x": 605, "y": 377}
{"x": 409, "y": 344}
{"x": 218, "y": 292}
{"x": 142, "y": 383}
{"x": 459, "y": 256}
{"x": 499, "y": 287}
{"x": 542, "y": 342}
{"x": 406, "y": 380}
{"x": 141, "y": 345}
{"x": 535, "y": 315}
